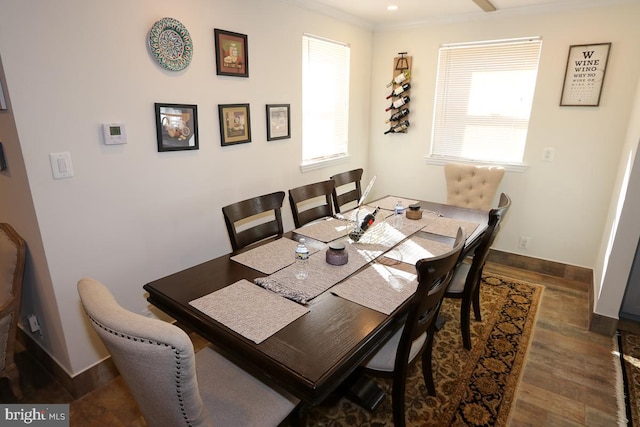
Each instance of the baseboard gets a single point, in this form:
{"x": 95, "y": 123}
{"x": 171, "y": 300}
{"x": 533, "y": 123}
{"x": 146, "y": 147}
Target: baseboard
{"x": 576, "y": 274}
{"x": 92, "y": 378}
{"x": 603, "y": 325}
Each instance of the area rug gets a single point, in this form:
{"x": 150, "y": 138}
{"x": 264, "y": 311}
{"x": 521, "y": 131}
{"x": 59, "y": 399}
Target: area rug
{"x": 474, "y": 388}
{"x": 629, "y": 347}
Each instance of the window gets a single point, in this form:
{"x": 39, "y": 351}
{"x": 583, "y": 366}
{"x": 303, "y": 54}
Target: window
{"x": 484, "y": 93}
{"x": 325, "y": 99}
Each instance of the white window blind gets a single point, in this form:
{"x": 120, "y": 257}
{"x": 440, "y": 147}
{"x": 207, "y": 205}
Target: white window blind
{"x": 484, "y": 93}
{"x": 325, "y": 99}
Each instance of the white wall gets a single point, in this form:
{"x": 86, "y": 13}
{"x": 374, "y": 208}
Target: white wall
{"x": 130, "y": 214}
{"x": 622, "y": 231}
{"x": 562, "y": 205}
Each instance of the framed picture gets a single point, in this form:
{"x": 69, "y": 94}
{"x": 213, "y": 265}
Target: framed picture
{"x": 235, "y": 124}
{"x": 586, "y": 66}
{"x": 3, "y": 162}
{"x": 278, "y": 126}
{"x": 3, "y": 101}
{"x": 232, "y": 58}
{"x": 177, "y": 127}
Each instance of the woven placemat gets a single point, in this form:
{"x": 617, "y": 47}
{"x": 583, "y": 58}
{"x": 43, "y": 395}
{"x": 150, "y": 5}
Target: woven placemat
{"x": 249, "y": 310}
{"x": 378, "y": 287}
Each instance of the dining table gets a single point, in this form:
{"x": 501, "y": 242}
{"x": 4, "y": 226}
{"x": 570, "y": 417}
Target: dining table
{"x": 307, "y": 336}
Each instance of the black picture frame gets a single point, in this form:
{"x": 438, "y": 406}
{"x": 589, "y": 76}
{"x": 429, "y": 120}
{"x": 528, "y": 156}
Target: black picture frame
{"x": 235, "y": 124}
{"x": 584, "y": 75}
{"x": 3, "y": 161}
{"x": 232, "y": 56}
{"x": 177, "y": 127}
{"x": 278, "y": 121}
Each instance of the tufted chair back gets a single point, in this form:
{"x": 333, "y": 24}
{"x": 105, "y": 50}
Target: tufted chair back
{"x": 155, "y": 358}
{"x": 12, "y": 261}
{"x": 472, "y": 186}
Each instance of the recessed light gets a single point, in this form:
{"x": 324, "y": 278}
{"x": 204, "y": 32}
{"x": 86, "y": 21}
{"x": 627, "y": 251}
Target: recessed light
{"x": 392, "y": 7}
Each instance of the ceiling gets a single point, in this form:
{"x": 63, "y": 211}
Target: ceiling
{"x": 374, "y": 14}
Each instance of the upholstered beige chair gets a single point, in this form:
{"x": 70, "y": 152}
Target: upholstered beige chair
{"x": 12, "y": 260}
{"x": 172, "y": 385}
{"x": 396, "y": 356}
{"x": 471, "y": 186}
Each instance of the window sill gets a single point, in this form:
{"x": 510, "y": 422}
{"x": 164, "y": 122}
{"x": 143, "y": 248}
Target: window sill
{"x": 511, "y": 167}
{"x": 323, "y": 163}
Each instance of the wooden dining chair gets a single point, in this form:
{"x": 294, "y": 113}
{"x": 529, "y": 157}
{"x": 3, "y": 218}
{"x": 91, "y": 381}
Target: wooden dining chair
{"x": 351, "y": 193}
{"x": 311, "y": 202}
{"x": 465, "y": 284}
{"x": 398, "y": 354}
{"x": 173, "y": 385}
{"x": 252, "y": 220}
{"x": 12, "y": 262}
{"x": 472, "y": 186}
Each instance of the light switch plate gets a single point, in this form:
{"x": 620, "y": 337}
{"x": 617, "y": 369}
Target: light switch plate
{"x": 61, "y": 165}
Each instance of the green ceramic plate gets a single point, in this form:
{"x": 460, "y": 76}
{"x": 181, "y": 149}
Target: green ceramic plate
{"x": 170, "y": 44}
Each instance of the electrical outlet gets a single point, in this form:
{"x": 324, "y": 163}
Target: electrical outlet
{"x": 524, "y": 242}
{"x": 34, "y": 325}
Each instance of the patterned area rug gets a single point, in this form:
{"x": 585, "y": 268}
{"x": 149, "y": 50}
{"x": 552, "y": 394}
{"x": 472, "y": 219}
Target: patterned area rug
{"x": 629, "y": 346}
{"x": 474, "y": 388}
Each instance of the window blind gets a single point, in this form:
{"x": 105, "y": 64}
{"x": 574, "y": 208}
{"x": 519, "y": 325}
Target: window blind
{"x": 325, "y": 98}
{"x": 484, "y": 93}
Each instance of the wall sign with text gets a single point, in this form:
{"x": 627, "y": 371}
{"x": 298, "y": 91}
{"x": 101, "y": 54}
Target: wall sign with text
{"x": 586, "y": 66}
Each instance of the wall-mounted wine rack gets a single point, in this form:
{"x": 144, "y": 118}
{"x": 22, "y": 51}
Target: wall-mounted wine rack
{"x": 399, "y": 95}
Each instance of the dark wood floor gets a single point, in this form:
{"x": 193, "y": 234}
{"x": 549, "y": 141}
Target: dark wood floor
{"x": 569, "y": 377}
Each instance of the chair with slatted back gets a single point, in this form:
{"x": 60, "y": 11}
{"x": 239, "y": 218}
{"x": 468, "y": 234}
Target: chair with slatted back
{"x": 255, "y": 219}
{"x": 465, "y": 284}
{"x": 12, "y": 262}
{"x": 398, "y": 354}
{"x": 352, "y": 193}
{"x": 472, "y": 186}
{"x": 173, "y": 385}
{"x": 311, "y": 202}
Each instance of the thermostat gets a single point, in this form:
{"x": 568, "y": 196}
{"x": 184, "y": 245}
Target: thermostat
{"x": 114, "y": 133}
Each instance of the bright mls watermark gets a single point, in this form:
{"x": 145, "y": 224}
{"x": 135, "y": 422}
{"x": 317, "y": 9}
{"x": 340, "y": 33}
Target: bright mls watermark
{"x": 35, "y": 415}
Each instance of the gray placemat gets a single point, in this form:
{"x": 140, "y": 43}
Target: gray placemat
{"x": 249, "y": 310}
{"x": 416, "y": 248}
{"x": 326, "y": 230}
{"x": 449, "y": 227}
{"x": 270, "y": 257}
{"x": 378, "y": 287}
{"x": 389, "y": 202}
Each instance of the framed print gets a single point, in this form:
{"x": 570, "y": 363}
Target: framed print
{"x": 278, "y": 126}
{"x": 586, "y": 66}
{"x": 3, "y": 101}
{"x": 235, "y": 124}
{"x": 232, "y": 58}
{"x": 177, "y": 127}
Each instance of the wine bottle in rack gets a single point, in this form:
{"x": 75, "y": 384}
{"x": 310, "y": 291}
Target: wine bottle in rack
{"x": 400, "y": 127}
{"x": 400, "y": 78}
{"x": 398, "y": 115}
{"x": 398, "y": 103}
{"x": 399, "y": 90}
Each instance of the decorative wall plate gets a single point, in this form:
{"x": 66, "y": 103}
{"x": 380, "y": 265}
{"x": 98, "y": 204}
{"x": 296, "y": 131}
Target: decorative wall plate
{"x": 171, "y": 44}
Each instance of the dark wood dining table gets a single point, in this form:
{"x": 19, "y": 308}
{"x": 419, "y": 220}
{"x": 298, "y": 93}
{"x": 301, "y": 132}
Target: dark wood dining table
{"x": 314, "y": 354}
